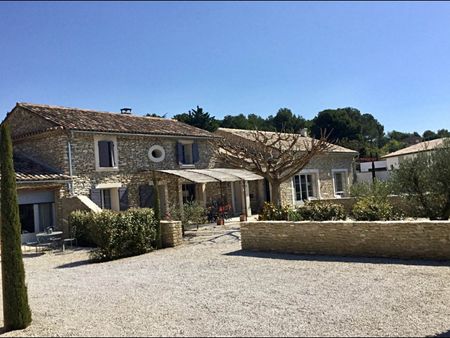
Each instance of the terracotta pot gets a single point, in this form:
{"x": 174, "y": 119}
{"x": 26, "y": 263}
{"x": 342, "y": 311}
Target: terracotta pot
{"x": 243, "y": 218}
{"x": 220, "y": 221}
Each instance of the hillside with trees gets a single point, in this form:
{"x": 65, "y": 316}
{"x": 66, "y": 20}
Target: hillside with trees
{"x": 348, "y": 127}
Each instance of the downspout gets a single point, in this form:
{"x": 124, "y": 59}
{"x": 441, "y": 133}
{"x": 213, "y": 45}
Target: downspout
{"x": 69, "y": 153}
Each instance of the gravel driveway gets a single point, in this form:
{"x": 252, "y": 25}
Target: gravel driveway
{"x": 208, "y": 287}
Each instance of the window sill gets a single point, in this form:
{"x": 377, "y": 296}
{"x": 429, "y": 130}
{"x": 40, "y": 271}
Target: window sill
{"x": 187, "y": 166}
{"x": 100, "y": 169}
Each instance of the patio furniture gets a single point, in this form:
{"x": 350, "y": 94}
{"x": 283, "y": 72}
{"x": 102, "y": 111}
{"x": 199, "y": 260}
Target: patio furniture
{"x": 49, "y": 240}
{"x": 68, "y": 240}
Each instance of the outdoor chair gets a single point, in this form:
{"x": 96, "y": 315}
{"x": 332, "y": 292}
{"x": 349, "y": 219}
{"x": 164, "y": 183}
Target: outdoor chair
{"x": 32, "y": 244}
{"x": 43, "y": 242}
{"x": 67, "y": 241}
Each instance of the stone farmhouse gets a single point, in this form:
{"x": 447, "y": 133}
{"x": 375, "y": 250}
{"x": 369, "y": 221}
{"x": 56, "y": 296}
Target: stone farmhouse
{"x": 69, "y": 158}
{"x": 326, "y": 176}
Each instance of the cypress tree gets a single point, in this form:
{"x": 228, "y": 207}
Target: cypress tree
{"x": 16, "y": 311}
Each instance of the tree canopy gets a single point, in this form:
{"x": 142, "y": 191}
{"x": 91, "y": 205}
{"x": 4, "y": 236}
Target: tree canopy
{"x": 348, "y": 127}
{"x": 198, "y": 118}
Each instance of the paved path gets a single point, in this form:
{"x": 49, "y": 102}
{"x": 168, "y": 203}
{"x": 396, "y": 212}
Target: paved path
{"x": 210, "y": 287}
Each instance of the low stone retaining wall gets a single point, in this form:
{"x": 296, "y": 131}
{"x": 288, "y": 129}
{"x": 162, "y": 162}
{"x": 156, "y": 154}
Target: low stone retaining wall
{"x": 171, "y": 233}
{"x": 395, "y": 239}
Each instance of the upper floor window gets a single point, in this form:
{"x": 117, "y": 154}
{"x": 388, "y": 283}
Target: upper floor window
{"x": 187, "y": 152}
{"x": 339, "y": 182}
{"x": 106, "y": 153}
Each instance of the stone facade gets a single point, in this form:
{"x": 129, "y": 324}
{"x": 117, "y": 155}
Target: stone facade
{"x": 49, "y": 148}
{"x": 23, "y": 122}
{"x": 324, "y": 165}
{"x": 395, "y": 239}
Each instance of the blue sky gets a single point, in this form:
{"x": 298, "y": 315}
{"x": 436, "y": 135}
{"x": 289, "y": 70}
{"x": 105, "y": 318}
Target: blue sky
{"x": 388, "y": 59}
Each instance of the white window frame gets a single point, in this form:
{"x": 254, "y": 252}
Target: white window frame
{"x": 345, "y": 182}
{"x": 184, "y": 143}
{"x": 315, "y": 186}
{"x": 97, "y": 155}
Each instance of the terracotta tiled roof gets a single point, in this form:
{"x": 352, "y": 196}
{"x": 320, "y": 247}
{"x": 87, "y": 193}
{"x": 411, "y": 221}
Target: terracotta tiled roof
{"x": 249, "y": 135}
{"x": 416, "y": 148}
{"x": 91, "y": 120}
{"x": 28, "y": 170}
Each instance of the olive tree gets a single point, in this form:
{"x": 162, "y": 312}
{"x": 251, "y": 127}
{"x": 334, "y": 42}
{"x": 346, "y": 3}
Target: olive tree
{"x": 425, "y": 181}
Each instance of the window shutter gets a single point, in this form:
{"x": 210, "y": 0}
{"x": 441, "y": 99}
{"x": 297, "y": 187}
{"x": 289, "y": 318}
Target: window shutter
{"x": 180, "y": 153}
{"x": 195, "y": 153}
{"x": 123, "y": 199}
{"x": 146, "y": 196}
{"x": 96, "y": 197}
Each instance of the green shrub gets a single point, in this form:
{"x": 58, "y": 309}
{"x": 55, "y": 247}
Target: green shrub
{"x": 116, "y": 234}
{"x": 321, "y": 211}
{"x": 79, "y": 222}
{"x": 317, "y": 211}
{"x": 371, "y": 208}
{"x": 379, "y": 189}
{"x": 272, "y": 212}
{"x": 192, "y": 214}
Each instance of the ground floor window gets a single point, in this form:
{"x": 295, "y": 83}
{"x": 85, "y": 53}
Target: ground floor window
{"x": 26, "y": 214}
{"x": 339, "y": 182}
{"x": 106, "y": 198}
{"x": 45, "y": 216}
{"x": 36, "y": 217}
{"x": 188, "y": 193}
{"x": 304, "y": 185}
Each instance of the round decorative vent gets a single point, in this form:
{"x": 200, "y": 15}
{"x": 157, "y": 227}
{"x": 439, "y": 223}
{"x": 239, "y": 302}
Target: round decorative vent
{"x": 156, "y": 153}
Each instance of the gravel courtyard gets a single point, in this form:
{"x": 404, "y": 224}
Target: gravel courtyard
{"x": 208, "y": 287}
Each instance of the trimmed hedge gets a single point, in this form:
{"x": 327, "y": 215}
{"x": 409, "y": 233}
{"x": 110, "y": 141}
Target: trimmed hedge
{"x": 116, "y": 234}
{"x": 319, "y": 211}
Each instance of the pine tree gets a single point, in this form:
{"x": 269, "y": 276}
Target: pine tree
{"x": 16, "y": 311}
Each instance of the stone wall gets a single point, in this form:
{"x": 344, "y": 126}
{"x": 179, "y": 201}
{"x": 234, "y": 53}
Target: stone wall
{"x": 24, "y": 122}
{"x": 49, "y": 148}
{"x": 395, "y": 239}
{"x": 171, "y": 233}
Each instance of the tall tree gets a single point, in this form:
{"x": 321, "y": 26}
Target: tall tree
{"x": 276, "y": 156}
{"x": 16, "y": 311}
{"x": 198, "y": 118}
{"x": 286, "y": 120}
{"x": 350, "y": 128}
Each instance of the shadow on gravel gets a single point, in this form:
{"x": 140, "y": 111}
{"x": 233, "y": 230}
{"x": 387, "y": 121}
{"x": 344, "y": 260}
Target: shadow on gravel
{"x": 75, "y": 264}
{"x": 442, "y": 334}
{"x": 32, "y": 254}
{"x": 346, "y": 259}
